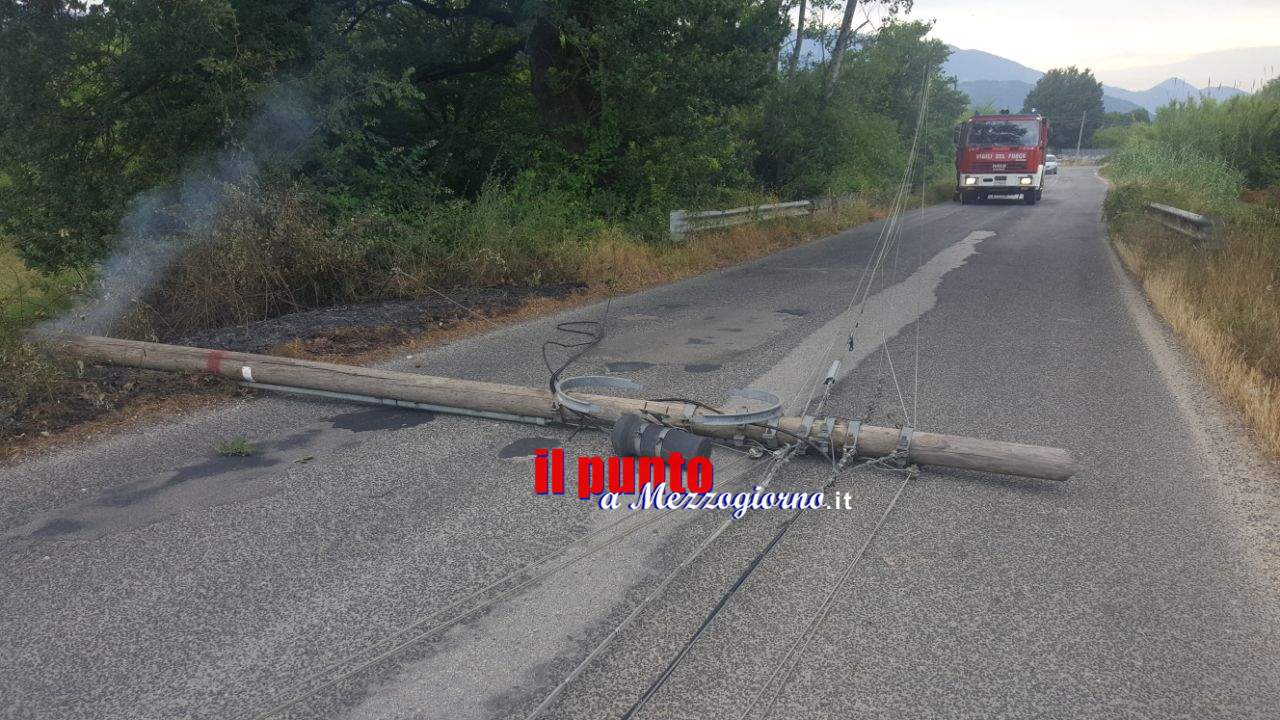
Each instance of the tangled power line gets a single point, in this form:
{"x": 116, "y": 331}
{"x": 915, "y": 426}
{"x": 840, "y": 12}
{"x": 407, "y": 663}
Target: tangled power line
{"x": 588, "y": 334}
{"x": 781, "y": 673}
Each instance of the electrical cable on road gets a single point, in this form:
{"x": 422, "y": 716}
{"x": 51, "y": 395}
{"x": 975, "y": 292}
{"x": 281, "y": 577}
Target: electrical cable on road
{"x": 592, "y": 330}
{"x": 786, "y": 668}
{"x": 463, "y": 611}
{"x": 790, "y": 661}
{"x": 741, "y": 580}
{"x": 924, "y": 184}
{"x": 887, "y": 240}
{"x": 657, "y": 591}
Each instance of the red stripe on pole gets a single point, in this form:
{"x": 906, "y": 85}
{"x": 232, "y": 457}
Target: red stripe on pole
{"x": 213, "y": 362}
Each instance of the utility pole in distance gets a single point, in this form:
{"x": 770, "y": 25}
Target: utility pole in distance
{"x": 1080, "y": 137}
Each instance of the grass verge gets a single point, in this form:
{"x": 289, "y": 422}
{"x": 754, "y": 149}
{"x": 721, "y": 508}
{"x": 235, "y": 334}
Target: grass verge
{"x": 1224, "y": 304}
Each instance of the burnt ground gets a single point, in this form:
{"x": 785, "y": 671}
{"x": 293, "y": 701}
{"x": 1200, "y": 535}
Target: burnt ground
{"x": 83, "y": 397}
{"x": 79, "y": 396}
{"x": 357, "y": 329}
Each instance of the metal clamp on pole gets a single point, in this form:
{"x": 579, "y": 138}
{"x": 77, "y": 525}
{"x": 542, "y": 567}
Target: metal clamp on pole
{"x": 823, "y": 441}
{"x": 770, "y": 436}
{"x": 851, "y": 433}
{"x": 806, "y": 426}
{"x": 903, "y": 451}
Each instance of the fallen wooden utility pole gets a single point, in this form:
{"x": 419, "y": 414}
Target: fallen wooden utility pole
{"x": 539, "y": 405}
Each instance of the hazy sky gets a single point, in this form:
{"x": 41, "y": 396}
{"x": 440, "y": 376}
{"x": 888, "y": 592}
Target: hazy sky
{"x": 1109, "y": 36}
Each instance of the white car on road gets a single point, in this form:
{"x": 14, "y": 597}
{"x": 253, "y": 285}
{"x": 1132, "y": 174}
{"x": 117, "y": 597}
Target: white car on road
{"x": 1050, "y": 164}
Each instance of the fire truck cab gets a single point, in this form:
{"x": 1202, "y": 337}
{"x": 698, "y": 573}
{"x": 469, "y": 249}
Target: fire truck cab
{"x": 1001, "y": 155}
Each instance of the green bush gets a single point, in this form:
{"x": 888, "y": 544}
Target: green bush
{"x": 1203, "y": 182}
{"x": 1243, "y": 132}
{"x": 1120, "y": 135}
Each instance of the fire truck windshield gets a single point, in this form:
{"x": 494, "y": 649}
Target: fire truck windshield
{"x": 1003, "y": 133}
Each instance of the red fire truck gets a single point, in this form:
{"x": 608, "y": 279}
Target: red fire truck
{"x": 1001, "y": 155}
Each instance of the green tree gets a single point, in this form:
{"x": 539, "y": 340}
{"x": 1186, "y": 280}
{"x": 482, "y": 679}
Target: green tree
{"x": 99, "y": 102}
{"x": 1067, "y": 97}
{"x": 1125, "y": 119}
{"x": 619, "y": 109}
{"x": 856, "y": 139}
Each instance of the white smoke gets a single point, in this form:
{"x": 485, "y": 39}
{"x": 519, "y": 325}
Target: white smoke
{"x": 163, "y": 221}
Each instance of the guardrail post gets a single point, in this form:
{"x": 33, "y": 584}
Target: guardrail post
{"x": 677, "y": 225}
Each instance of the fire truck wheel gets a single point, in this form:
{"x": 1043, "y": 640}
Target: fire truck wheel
{"x": 968, "y": 198}
{"x": 1029, "y": 197}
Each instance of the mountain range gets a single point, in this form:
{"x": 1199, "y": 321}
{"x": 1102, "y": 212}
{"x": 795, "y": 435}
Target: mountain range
{"x": 1003, "y": 83}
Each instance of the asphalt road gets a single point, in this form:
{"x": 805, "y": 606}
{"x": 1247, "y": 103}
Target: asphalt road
{"x": 143, "y": 576}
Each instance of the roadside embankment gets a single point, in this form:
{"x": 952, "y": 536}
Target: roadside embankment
{"x": 1223, "y": 303}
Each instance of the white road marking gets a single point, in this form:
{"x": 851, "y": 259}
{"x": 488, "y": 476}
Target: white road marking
{"x": 887, "y": 313}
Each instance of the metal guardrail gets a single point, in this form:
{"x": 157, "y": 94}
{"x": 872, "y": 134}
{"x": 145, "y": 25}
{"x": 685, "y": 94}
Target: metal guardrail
{"x": 682, "y": 223}
{"x": 1201, "y": 230}
{"x": 1090, "y": 153}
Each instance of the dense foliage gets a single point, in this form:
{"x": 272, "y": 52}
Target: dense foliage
{"x": 135, "y": 117}
{"x": 1243, "y": 132}
{"x": 1205, "y": 153}
{"x": 1178, "y": 175}
{"x": 1072, "y": 101}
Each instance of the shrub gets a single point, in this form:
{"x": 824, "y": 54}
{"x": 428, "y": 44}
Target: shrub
{"x": 1207, "y": 182}
{"x": 1243, "y": 132}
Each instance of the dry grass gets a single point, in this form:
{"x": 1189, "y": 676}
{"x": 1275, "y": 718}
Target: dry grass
{"x": 1225, "y": 305}
{"x": 274, "y": 254}
{"x": 616, "y": 264}
{"x": 613, "y": 266}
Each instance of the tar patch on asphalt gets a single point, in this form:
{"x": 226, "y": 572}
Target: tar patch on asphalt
{"x": 525, "y": 447}
{"x": 372, "y": 420}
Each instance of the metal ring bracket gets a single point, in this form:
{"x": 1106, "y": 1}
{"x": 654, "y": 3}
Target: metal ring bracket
{"x": 768, "y": 414}
{"x": 564, "y": 399}
{"x": 662, "y": 435}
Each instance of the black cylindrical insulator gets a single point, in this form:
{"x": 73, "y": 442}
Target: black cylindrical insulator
{"x": 626, "y": 435}
{"x": 634, "y": 436}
